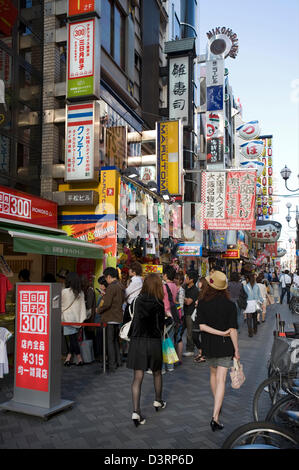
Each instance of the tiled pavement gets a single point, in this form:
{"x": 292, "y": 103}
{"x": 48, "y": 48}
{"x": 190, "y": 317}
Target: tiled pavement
{"x": 101, "y": 415}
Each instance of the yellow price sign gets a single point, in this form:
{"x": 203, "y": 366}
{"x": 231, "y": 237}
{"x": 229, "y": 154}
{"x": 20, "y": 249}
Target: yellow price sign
{"x": 152, "y": 268}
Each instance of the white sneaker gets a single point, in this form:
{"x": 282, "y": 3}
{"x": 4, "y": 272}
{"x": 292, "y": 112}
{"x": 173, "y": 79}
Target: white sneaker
{"x": 171, "y": 369}
{"x": 188, "y": 354}
{"x": 149, "y": 372}
{"x": 163, "y": 371}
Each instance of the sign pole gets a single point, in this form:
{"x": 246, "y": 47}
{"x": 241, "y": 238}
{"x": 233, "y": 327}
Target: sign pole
{"x": 37, "y": 362}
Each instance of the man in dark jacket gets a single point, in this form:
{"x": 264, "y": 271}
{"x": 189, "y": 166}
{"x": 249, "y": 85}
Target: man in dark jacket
{"x": 112, "y": 313}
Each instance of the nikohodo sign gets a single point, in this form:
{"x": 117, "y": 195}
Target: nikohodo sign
{"x": 220, "y": 35}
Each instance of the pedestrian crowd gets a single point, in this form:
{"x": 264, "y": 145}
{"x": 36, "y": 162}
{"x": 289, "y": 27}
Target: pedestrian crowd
{"x": 210, "y": 311}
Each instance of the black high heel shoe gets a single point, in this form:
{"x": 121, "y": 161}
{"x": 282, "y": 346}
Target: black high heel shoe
{"x": 67, "y": 364}
{"x": 159, "y": 405}
{"x": 80, "y": 363}
{"x": 137, "y": 419}
{"x": 216, "y": 426}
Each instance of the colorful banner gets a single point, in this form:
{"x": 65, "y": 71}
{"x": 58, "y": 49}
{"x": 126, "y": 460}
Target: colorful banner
{"x": 32, "y": 345}
{"x": 168, "y": 157}
{"x": 228, "y": 200}
{"x": 81, "y": 142}
{"x": 102, "y": 233}
{"x": 23, "y": 207}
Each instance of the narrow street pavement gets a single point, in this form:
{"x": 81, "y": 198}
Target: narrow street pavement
{"x": 101, "y": 415}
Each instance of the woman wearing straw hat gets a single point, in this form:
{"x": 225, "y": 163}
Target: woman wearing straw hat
{"x": 218, "y": 324}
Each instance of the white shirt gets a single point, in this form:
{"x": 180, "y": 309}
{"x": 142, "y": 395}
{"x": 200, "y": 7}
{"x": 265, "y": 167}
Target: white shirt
{"x": 296, "y": 280}
{"x": 133, "y": 289}
{"x": 285, "y": 279}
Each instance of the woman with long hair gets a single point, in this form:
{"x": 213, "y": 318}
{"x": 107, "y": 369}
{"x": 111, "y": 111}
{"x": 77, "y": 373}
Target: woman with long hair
{"x": 73, "y": 311}
{"x": 202, "y": 285}
{"x": 218, "y": 326}
{"x": 253, "y": 298}
{"x": 145, "y": 347}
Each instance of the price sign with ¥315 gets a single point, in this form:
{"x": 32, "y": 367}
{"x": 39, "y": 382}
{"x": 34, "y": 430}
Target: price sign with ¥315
{"x": 152, "y": 268}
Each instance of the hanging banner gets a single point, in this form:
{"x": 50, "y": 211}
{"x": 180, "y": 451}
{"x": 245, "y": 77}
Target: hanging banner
{"x": 82, "y": 141}
{"x": 83, "y": 71}
{"x": 180, "y": 89}
{"x": 169, "y": 156}
{"x": 228, "y": 200}
{"x": 231, "y": 254}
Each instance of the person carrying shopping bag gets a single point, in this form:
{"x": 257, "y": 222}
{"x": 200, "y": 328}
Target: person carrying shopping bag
{"x": 218, "y": 326}
{"x": 145, "y": 346}
{"x": 254, "y": 300}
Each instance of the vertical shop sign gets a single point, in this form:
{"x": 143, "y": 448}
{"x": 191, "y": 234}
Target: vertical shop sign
{"x": 83, "y": 59}
{"x": 228, "y": 200}
{"x": 32, "y": 355}
{"x": 116, "y": 145}
{"x": 215, "y": 113}
{"x": 179, "y": 89}
{"x": 169, "y": 154}
{"x": 81, "y": 142}
{"x": 8, "y": 16}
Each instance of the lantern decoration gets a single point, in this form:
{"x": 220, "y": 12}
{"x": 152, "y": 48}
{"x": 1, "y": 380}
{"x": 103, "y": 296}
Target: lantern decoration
{"x": 255, "y": 164}
{"x": 270, "y": 171}
{"x": 270, "y": 191}
{"x": 264, "y": 181}
{"x": 270, "y": 210}
{"x": 249, "y": 131}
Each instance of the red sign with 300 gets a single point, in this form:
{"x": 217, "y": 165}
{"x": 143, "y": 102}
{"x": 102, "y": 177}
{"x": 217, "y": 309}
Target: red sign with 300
{"x": 32, "y": 347}
{"x": 15, "y": 205}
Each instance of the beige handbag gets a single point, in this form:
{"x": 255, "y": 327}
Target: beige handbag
{"x": 237, "y": 375}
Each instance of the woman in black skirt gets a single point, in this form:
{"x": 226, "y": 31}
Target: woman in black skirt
{"x": 145, "y": 349}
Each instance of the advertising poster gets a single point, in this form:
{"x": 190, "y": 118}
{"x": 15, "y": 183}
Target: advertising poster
{"x": 32, "y": 355}
{"x": 83, "y": 58}
{"x": 102, "y": 233}
{"x": 228, "y": 200}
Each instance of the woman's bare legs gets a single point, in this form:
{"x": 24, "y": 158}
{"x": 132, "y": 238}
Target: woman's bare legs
{"x": 217, "y": 380}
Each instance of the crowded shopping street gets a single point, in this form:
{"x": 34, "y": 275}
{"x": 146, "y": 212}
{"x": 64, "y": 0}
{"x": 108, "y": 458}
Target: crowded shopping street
{"x": 99, "y": 418}
{"x": 149, "y": 227}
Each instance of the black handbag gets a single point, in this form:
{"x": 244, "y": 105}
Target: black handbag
{"x": 242, "y": 300}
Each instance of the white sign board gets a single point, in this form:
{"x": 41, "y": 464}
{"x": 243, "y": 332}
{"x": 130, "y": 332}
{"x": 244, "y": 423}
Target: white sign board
{"x": 179, "y": 89}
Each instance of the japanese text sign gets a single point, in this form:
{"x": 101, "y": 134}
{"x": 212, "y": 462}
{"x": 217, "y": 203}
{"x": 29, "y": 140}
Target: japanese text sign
{"x": 83, "y": 59}
{"x": 32, "y": 345}
{"x": 15, "y": 205}
{"x": 81, "y": 142}
{"x": 228, "y": 200}
{"x": 179, "y": 89}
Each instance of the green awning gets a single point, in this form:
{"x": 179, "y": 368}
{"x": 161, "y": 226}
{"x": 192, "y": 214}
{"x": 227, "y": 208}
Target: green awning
{"x": 55, "y": 245}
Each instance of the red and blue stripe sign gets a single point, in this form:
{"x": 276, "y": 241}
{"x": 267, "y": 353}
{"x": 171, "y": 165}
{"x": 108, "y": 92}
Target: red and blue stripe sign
{"x": 79, "y": 115}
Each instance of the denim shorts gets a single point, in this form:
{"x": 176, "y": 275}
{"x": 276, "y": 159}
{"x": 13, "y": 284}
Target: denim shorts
{"x": 219, "y": 361}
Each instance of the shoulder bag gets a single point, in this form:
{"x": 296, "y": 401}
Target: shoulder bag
{"x": 237, "y": 375}
{"x": 124, "y": 331}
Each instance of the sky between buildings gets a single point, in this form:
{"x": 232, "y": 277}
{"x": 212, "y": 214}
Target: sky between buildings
{"x": 265, "y": 76}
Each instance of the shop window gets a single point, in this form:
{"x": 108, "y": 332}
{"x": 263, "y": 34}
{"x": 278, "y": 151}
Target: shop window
{"x": 113, "y": 31}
